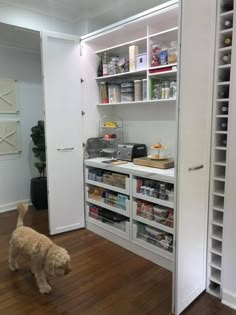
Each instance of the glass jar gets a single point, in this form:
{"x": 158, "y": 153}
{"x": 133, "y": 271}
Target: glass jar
{"x": 172, "y": 53}
{"x": 157, "y": 91}
{"x": 165, "y": 90}
{"x": 173, "y": 89}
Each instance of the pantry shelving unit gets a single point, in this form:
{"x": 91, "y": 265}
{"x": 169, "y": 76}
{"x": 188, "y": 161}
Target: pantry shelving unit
{"x": 73, "y": 72}
{"x": 121, "y": 49}
{"x": 220, "y": 138}
{"x": 136, "y": 232}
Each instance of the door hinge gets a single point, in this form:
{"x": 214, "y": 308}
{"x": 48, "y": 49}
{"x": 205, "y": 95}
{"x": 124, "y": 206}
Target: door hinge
{"x": 81, "y": 80}
{"x": 82, "y": 113}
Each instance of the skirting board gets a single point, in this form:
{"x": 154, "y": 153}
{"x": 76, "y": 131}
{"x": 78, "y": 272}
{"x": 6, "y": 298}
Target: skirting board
{"x": 229, "y": 298}
{"x": 136, "y": 249}
{"x": 12, "y": 206}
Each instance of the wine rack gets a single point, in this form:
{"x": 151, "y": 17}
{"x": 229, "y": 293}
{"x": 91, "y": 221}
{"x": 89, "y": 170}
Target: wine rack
{"x": 220, "y": 131}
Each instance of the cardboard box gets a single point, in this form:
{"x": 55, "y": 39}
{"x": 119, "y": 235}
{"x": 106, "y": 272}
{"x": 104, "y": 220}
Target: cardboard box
{"x": 133, "y": 52}
{"x": 141, "y": 61}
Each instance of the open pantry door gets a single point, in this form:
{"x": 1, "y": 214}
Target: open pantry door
{"x": 194, "y": 128}
{"x": 63, "y": 128}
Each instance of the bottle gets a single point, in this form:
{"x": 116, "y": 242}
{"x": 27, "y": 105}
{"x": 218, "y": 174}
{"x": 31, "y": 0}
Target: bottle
{"x": 223, "y": 125}
{"x": 228, "y": 24}
{"x": 100, "y": 66}
{"x": 224, "y": 109}
{"x": 105, "y": 64}
{"x": 223, "y": 93}
{"x": 226, "y": 58}
{"x": 228, "y": 41}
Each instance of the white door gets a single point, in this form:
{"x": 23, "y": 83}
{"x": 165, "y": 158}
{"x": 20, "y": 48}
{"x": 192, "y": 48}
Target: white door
{"x": 194, "y": 128}
{"x": 63, "y": 128}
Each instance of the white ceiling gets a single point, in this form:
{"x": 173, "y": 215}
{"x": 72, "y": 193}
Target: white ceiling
{"x": 96, "y": 13}
{"x": 73, "y": 10}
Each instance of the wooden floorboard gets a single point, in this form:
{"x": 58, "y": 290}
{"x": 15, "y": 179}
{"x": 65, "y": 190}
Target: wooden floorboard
{"x": 106, "y": 279}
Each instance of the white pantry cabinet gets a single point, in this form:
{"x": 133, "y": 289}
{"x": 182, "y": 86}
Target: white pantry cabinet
{"x": 73, "y": 109}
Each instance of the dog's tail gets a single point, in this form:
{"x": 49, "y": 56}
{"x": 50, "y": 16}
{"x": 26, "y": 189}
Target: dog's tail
{"x": 22, "y": 209}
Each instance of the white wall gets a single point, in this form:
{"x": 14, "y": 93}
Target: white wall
{"x": 17, "y": 170}
{"x": 28, "y": 19}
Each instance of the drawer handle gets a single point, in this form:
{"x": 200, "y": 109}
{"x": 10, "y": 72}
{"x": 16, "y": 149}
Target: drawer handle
{"x": 65, "y": 149}
{"x": 195, "y": 168}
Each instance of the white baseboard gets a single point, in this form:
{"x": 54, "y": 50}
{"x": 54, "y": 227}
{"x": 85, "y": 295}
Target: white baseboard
{"x": 229, "y": 298}
{"x": 12, "y": 206}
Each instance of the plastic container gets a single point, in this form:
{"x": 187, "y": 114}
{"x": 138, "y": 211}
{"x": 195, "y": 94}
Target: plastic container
{"x": 114, "y": 93}
{"x": 163, "y": 56}
{"x": 104, "y": 93}
{"x": 137, "y": 90}
{"x": 144, "y": 89}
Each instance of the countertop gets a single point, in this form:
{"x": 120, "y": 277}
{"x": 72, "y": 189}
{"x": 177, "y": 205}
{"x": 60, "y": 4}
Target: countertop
{"x": 167, "y": 175}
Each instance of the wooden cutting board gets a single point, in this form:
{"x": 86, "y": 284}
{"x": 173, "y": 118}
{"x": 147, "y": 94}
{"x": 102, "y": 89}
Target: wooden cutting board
{"x": 145, "y": 161}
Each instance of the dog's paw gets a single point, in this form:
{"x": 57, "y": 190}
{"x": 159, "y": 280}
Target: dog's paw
{"x": 13, "y": 267}
{"x": 45, "y": 289}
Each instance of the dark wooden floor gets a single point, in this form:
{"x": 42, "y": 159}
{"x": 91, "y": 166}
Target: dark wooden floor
{"x": 106, "y": 279}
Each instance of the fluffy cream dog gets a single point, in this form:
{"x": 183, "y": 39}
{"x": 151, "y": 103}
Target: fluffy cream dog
{"x": 47, "y": 259}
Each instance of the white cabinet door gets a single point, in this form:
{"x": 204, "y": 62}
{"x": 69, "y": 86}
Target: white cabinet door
{"x": 194, "y": 128}
{"x": 61, "y": 77}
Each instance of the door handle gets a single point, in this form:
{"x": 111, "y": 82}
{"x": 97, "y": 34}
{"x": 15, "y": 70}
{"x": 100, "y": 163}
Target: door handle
{"x": 195, "y": 168}
{"x": 65, "y": 149}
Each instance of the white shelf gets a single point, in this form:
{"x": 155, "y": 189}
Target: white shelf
{"x": 124, "y": 74}
{"x": 216, "y": 250}
{"x": 153, "y": 200}
{"x": 149, "y": 246}
{"x": 163, "y": 66}
{"x": 216, "y": 237}
{"x": 111, "y": 228}
{"x": 215, "y": 277}
{"x": 216, "y": 262}
{"x": 218, "y": 209}
{"x": 222, "y": 100}
{"x": 150, "y": 222}
{"x": 225, "y": 48}
{"x": 227, "y": 13}
{"x": 167, "y": 32}
{"x": 223, "y": 83}
{"x": 215, "y": 292}
{"x": 165, "y": 175}
{"x": 221, "y": 148}
{"x": 220, "y": 178}
{"x": 109, "y": 187}
{"x": 167, "y": 74}
{"x": 217, "y": 222}
{"x": 222, "y": 116}
{"x": 169, "y": 100}
{"x": 101, "y": 204}
{"x": 225, "y": 31}
{"x": 218, "y": 194}
{"x": 132, "y": 42}
{"x": 221, "y": 132}
{"x": 220, "y": 163}
{"x": 228, "y": 65}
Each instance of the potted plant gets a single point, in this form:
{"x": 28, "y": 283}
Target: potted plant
{"x": 38, "y": 185}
